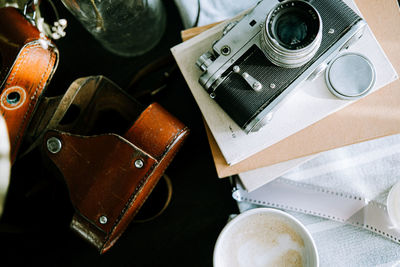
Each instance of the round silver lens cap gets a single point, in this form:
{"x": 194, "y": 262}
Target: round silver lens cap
{"x": 350, "y": 76}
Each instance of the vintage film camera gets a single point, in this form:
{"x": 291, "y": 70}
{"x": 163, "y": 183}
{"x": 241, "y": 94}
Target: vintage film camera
{"x": 261, "y": 58}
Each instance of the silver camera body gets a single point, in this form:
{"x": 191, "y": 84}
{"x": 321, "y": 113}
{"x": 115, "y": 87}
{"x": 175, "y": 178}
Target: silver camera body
{"x": 261, "y": 58}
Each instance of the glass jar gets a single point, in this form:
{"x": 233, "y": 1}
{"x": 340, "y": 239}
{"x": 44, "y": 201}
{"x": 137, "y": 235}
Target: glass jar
{"x": 124, "y": 27}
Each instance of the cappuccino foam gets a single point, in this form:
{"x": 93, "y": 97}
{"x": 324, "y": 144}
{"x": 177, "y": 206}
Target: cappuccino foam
{"x": 262, "y": 240}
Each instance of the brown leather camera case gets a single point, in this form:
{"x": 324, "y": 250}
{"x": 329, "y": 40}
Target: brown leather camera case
{"x": 109, "y": 176}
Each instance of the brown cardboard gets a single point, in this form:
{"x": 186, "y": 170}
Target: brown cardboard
{"x": 377, "y": 115}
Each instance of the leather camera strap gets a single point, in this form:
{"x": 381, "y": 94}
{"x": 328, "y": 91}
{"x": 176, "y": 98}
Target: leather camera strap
{"x": 26, "y": 73}
{"x": 165, "y": 202}
{"x": 24, "y": 86}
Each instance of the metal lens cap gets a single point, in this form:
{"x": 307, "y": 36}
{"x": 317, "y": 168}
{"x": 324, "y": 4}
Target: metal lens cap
{"x": 350, "y": 76}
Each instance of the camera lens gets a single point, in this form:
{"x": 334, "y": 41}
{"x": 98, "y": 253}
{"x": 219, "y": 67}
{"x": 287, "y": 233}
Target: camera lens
{"x": 292, "y": 34}
{"x": 291, "y": 29}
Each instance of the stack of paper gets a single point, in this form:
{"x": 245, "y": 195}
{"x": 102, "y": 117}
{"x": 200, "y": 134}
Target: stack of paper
{"x": 311, "y": 120}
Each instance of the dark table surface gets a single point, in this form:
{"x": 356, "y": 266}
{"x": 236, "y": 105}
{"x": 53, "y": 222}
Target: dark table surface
{"x": 34, "y": 229}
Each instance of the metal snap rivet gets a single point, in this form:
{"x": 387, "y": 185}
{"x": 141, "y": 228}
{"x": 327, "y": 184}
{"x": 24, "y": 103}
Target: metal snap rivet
{"x": 139, "y": 163}
{"x": 272, "y": 86}
{"x": 13, "y": 98}
{"x": 54, "y": 145}
{"x": 103, "y": 219}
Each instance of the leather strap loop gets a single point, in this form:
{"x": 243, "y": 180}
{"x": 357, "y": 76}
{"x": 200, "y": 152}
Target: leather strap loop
{"x": 26, "y": 70}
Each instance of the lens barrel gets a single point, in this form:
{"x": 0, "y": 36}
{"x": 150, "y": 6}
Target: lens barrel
{"x": 292, "y": 34}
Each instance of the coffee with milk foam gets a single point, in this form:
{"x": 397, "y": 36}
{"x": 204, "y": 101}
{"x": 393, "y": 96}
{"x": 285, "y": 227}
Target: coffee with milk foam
{"x": 262, "y": 240}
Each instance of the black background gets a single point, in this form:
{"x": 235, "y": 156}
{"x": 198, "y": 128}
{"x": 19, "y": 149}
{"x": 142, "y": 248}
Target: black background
{"x": 34, "y": 229}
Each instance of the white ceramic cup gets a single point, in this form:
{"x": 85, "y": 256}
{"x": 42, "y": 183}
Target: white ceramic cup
{"x": 265, "y": 237}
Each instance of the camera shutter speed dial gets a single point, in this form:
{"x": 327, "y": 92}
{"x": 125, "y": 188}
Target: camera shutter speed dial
{"x": 229, "y": 27}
